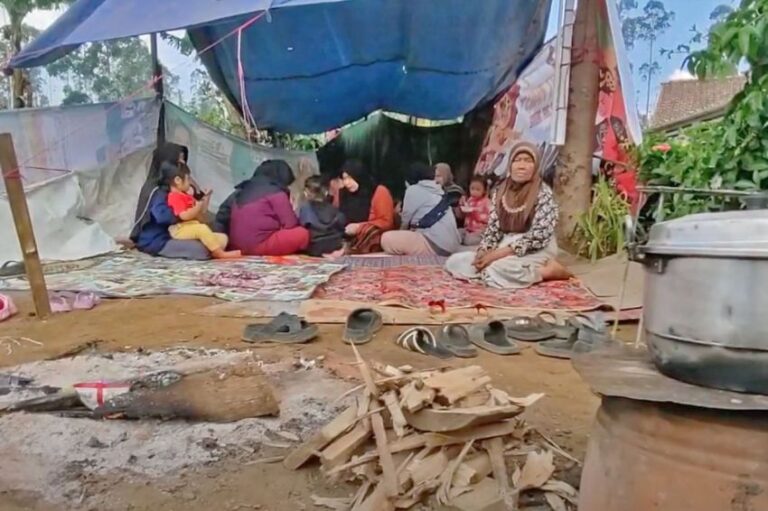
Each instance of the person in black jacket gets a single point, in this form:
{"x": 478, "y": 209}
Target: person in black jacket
{"x": 323, "y": 220}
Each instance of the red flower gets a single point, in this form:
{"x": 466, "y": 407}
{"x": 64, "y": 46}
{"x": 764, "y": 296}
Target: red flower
{"x": 662, "y": 147}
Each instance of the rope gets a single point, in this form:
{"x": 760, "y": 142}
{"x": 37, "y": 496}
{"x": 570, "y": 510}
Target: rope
{"x": 150, "y": 84}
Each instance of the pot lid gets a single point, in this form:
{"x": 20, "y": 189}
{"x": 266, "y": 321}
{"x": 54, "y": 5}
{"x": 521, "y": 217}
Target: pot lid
{"x": 726, "y": 234}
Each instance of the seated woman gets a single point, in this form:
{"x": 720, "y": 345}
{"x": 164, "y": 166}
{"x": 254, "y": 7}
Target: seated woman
{"x": 259, "y": 217}
{"x": 518, "y": 247}
{"x": 428, "y": 226}
{"x": 154, "y": 216}
{"x": 368, "y": 208}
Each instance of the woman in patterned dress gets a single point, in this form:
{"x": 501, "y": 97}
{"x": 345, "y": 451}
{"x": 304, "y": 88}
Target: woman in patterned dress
{"x": 518, "y": 248}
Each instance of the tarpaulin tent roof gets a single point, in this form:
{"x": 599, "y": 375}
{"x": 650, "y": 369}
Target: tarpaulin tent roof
{"x": 323, "y": 64}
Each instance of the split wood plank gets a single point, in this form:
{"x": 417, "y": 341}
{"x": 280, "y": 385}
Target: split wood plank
{"x": 452, "y": 419}
{"x": 327, "y": 434}
{"x": 415, "y": 396}
{"x": 385, "y": 456}
{"x": 398, "y": 419}
{"x": 495, "y": 449}
{"x": 478, "y": 433}
{"x": 341, "y": 449}
{"x": 473, "y": 470}
{"x": 428, "y": 468}
{"x": 404, "y": 444}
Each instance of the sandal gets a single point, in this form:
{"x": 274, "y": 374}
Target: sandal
{"x": 562, "y": 331}
{"x": 492, "y": 336}
{"x": 421, "y": 340}
{"x": 455, "y": 339}
{"x": 588, "y": 331}
{"x": 283, "y": 329}
{"x": 362, "y": 325}
{"x": 7, "y": 307}
{"x": 529, "y": 329}
{"x": 11, "y": 269}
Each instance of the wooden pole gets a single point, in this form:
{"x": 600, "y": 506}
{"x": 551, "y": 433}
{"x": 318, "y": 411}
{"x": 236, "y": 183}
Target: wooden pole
{"x": 157, "y": 75}
{"x": 21, "y": 219}
{"x": 573, "y": 182}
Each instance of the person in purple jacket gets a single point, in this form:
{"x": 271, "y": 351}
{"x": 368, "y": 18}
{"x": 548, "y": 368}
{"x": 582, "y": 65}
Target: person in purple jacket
{"x": 259, "y": 217}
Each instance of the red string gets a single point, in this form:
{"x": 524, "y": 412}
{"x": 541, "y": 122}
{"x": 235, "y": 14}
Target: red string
{"x": 148, "y": 85}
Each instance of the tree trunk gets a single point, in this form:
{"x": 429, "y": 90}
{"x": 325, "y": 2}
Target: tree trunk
{"x": 19, "y": 79}
{"x": 573, "y": 182}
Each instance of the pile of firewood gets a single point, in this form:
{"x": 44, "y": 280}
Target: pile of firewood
{"x": 442, "y": 437}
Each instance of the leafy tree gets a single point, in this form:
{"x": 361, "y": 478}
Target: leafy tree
{"x": 732, "y": 152}
{"x": 110, "y": 70}
{"x": 15, "y": 34}
{"x": 645, "y": 26}
{"x": 75, "y": 97}
{"x": 697, "y": 37}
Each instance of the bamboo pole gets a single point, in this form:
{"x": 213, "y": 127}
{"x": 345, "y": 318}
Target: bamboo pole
{"x": 23, "y": 223}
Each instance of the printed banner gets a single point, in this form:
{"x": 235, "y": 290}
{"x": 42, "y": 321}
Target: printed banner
{"x": 219, "y": 161}
{"x": 525, "y": 111}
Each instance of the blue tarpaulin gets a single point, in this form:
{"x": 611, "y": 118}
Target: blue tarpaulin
{"x": 319, "y": 65}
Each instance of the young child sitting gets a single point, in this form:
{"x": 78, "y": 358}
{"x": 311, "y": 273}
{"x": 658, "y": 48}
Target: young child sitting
{"x": 476, "y": 209}
{"x": 324, "y": 222}
{"x": 190, "y": 211}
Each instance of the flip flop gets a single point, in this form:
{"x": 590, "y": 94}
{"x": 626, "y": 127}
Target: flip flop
{"x": 59, "y": 302}
{"x": 492, "y": 336}
{"x": 455, "y": 339}
{"x": 7, "y": 307}
{"x": 588, "y": 332}
{"x": 362, "y": 325}
{"x": 421, "y": 340}
{"x": 562, "y": 331}
{"x": 283, "y": 329}
{"x": 529, "y": 329}
{"x": 11, "y": 269}
{"x": 86, "y": 300}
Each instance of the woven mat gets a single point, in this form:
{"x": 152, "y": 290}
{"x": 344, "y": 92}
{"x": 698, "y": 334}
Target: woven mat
{"x": 419, "y": 286}
{"x": 134, "y": 274}
{"x": 391, "y": 261}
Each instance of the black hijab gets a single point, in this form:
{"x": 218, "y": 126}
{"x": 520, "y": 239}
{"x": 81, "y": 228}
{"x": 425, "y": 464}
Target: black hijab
{"x": 168, "y": 152}
{"x": 270, "y": 177}
{"x": 356, "y": 206}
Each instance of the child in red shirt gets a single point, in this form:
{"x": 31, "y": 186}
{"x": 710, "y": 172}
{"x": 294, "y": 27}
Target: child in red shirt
{"x": 189, "y": 212}
{"x": 476, "y": 209}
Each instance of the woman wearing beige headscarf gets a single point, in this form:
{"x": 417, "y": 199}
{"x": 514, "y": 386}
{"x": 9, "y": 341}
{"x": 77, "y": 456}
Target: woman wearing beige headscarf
{"x": 518, "y": 247}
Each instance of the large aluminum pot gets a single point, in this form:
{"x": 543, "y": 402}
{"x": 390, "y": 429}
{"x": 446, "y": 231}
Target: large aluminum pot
{"x": 706, "y": 299}
{"x": 646, "y": 456}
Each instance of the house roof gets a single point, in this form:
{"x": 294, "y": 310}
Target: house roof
{"x": 683, "y": 102}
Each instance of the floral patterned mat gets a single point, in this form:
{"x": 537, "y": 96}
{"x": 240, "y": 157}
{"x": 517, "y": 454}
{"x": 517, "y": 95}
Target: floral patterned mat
{"x": 424, "y": 286}
{"x": 134, "y": 274}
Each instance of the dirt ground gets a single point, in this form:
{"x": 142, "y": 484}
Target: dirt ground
{"x": 231, "y": 484}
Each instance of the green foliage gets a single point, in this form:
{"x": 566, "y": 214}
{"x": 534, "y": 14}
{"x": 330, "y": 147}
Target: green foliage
{"x": 730, "y": 153}
{"x": 110, "y": 70}
{"x": 600, "y": 231}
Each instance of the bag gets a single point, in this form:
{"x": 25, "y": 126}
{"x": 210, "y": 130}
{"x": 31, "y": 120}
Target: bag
{"x": 433, "y": 215}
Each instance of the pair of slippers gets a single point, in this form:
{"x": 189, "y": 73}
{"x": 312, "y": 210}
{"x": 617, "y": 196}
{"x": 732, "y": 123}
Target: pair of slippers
{"x": 65, "y": 301}
{"x": 558, "y": 340}
{"x": 361, "y": 327}
{"x": 459, "y": 340}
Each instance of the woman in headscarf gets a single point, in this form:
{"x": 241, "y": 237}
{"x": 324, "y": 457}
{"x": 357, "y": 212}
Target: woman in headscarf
{"x": 518, "y": 248}
{"x": 154, "y": 216}
{"x": 368, "y": 208}
{"x": 258, "y": 215}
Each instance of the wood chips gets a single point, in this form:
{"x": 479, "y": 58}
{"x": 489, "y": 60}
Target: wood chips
{"x": 441, "y": 437}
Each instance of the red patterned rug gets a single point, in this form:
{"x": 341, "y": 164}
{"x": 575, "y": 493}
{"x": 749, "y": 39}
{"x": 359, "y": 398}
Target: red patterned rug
{"x": 422, "y": 286}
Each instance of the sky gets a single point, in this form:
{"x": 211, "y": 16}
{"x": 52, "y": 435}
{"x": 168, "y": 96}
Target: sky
{"x": 687, "y": 14}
